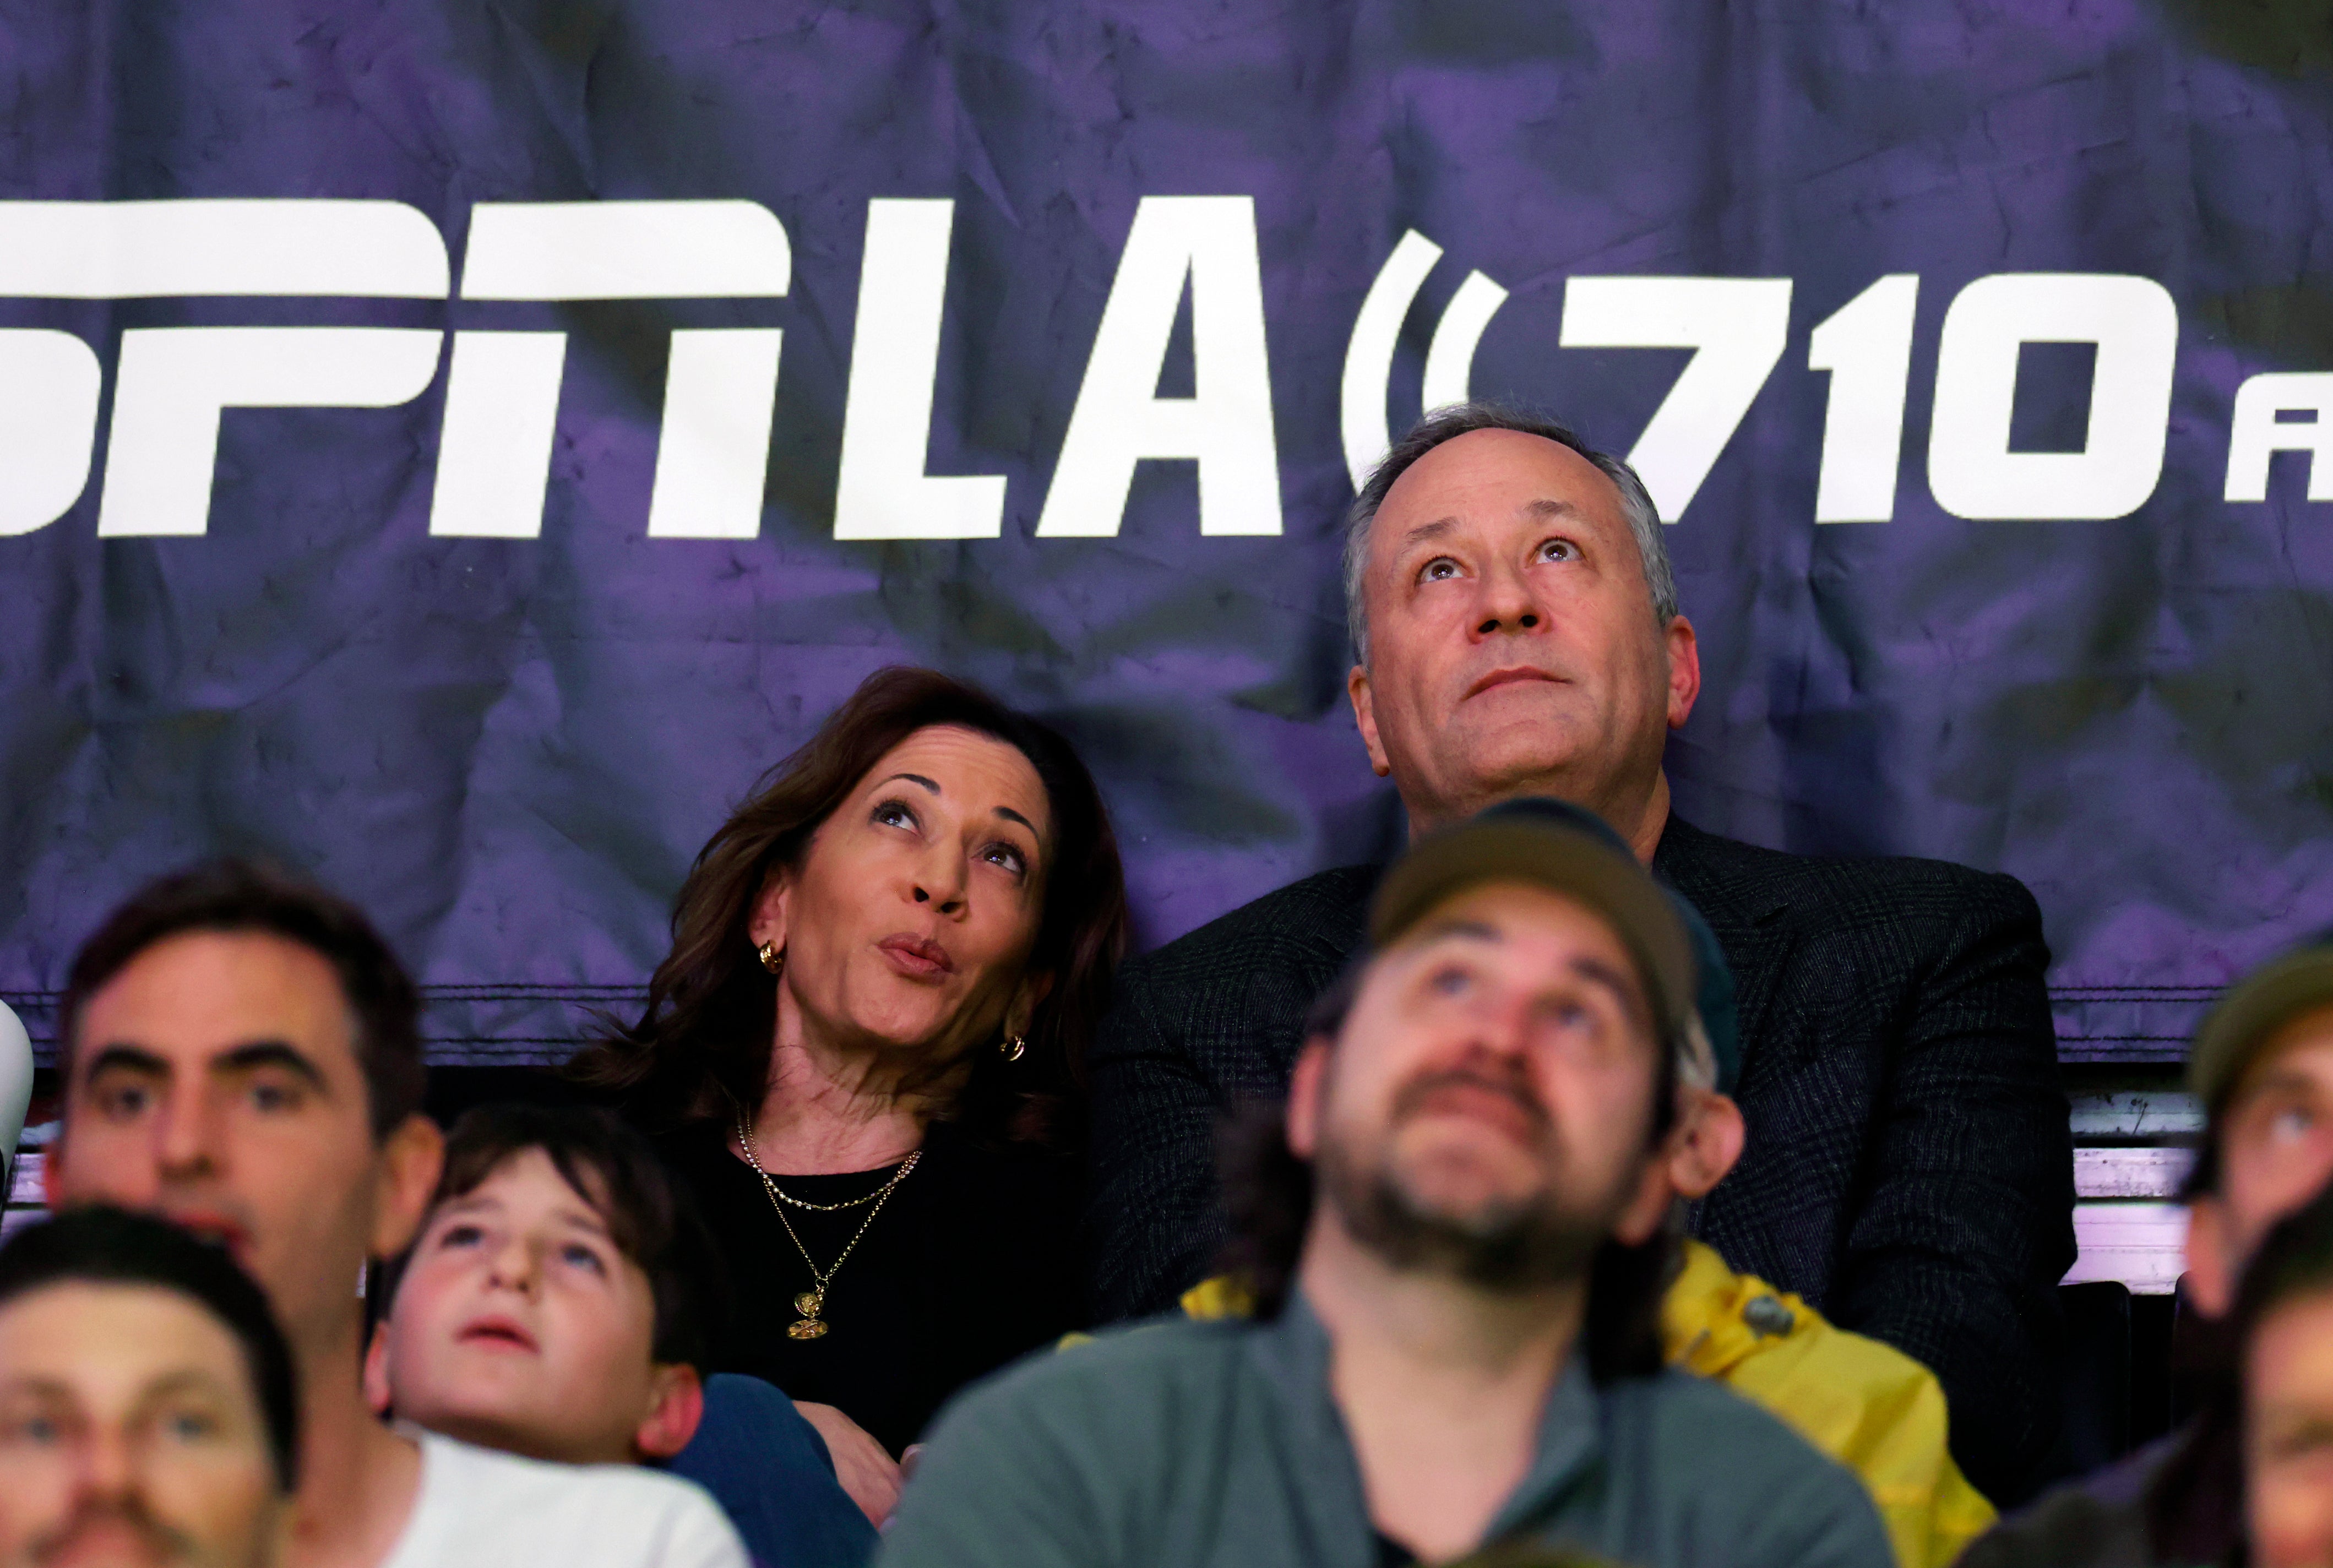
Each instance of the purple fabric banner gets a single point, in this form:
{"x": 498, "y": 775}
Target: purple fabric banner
{"x": 454, "y": 449}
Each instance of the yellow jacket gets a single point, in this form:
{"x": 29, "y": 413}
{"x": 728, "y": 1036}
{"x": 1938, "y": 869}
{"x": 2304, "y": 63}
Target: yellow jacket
{"x": 1867, "y": 1405}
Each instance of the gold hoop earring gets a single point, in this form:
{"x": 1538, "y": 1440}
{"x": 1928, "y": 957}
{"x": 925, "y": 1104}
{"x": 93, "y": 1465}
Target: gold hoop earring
{"x": 773, "y": 957}
{"x": 1013, "y": 1045}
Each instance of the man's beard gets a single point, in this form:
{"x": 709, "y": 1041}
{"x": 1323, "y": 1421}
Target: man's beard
{"x": 1505, "y": 1245}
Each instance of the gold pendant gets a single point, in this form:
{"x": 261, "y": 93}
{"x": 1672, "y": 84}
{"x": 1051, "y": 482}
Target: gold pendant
{"x": 807, "y": 1328}
{"x": 809, "y": 1302}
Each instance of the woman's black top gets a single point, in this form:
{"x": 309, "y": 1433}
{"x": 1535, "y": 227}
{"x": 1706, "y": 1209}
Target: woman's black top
{"x": 971, "y": 1264}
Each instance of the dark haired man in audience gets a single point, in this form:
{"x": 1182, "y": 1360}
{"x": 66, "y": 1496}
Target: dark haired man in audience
{"x": 1458, "y": 1344}
{"x": 240, "y": 1056}
{"x": 1908, "y": 1170}
{"x": 2262, "y": 1067}
{"x": 148, "y": 1411}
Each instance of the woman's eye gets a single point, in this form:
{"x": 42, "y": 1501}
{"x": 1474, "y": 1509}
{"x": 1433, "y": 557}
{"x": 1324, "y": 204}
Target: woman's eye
{"x": 1441, "y": 568}
{"x": 41, "y": 1429}
{"x": 461, "y": 1236}
{"x": 1449, "y": 982}
{"x": 1005, "y": 856}
{"x": 1559, "y": 549}
{"x": 2291, "y": 1122}
{"x": 577, "y": 1256}
{"x": 894, "y": 814}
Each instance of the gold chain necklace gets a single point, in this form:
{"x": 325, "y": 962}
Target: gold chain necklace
{"x": 812, "y": 1302}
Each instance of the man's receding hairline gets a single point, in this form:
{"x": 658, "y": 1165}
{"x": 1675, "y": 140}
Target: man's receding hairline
{"x": 1612, "y": 487}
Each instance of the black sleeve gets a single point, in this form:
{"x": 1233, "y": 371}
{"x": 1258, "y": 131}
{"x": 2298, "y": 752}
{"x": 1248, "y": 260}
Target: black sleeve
{"x": 1152, "y": 1220}
{"x": 1955, "y": 1254}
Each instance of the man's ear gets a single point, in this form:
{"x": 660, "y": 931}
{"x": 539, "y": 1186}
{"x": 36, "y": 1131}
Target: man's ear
{"x": 1710, "y": 1135}
{"x": 411, "y": 1157}
{"x": 767, "y": 923}
{"x": 1647, "y": 1209}
{"x": 377, "y": 1396}
{"x": 675, "y": 1406}
{"x": 1304, "y": 1097}
{"x": 1684, "y": 670}
{"x": 2211, "y": 1281}
{"x": 1365, "y": 715}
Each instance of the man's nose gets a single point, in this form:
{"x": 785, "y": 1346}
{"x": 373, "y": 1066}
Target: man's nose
{"x": 107, "y": 1470}
{"x": 188, "y": 1136}
{"x": 1505, "y": 602}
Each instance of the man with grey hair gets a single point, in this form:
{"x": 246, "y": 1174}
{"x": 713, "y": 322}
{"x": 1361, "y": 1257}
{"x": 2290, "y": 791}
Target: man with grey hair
{"x": 1516, "y": 631}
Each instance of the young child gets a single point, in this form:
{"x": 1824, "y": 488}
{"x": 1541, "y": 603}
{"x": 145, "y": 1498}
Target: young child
{"x": 557, "y": 1304}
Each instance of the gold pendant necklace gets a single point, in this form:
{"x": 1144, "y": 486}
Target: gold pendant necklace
{"x": 811, "y": 1303}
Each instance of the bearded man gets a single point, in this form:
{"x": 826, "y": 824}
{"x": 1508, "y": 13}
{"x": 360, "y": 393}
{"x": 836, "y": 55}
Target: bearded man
{"x": 1457, "y": 1271}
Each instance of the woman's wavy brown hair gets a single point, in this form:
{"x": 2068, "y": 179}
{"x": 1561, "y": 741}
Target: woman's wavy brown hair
{"x": 702, "y": 1045}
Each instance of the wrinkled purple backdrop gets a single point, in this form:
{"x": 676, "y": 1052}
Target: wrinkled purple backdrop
{"x": 509, "y": 750}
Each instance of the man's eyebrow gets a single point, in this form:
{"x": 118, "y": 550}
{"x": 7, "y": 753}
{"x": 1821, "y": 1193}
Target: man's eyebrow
{"x": 2280, "y": 1081}
{"x": 1429, "y": 531}
{"x": 916, "y": 779}
{"x": 1470, "y": 930}
{"x": 127, "y": 1058}
{"x": 186, "y": 1377}
{"x": 256, "y": 1054}
{"x": 1618, "y": 983}
{"x": 1549, "y": 508}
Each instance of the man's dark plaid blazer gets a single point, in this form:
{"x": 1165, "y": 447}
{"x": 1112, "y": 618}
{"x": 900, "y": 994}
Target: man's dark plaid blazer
{"x": 1908, "y": 1169}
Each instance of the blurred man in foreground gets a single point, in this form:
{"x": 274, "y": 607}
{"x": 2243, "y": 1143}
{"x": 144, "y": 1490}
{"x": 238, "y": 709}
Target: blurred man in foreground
{"x": 2262, "y": 1067}
{"x": 1458, "y": 1344}
{"x": 2283, "y": 1326}
{"x": 1864, "y": 1403}
{"x": 240, "y": 1056}
{"x": 148, "y": 1412}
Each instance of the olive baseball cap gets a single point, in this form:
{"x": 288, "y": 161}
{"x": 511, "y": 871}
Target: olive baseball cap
{"x": 2249, "y": 1011}
{"x": 1563, "y": 848}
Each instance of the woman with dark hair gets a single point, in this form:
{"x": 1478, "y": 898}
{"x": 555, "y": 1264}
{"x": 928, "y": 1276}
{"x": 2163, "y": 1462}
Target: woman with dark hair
{"x": 863, "y": 1053}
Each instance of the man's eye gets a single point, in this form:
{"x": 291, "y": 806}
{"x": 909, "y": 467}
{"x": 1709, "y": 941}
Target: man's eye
{"x": 188, "y": 1426}
{"x": 577, "y": 1256}
{"x": 122, "y": 1101}
{"x": 1449, "y": 982}
{"x": 1559, "y": 549}
{"x": 42, "y": 1430}
{"x": 2291, "y": 1122}
{"x": 271, "y": 1096}
{"x": 1441, "y": 568}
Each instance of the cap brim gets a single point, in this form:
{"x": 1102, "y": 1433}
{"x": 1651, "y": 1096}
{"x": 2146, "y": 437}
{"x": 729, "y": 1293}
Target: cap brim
{"x": 2253, "y": 1009}
{"x": 1558, "y": 859}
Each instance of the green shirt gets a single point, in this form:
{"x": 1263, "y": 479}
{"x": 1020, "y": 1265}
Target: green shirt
{"x": 1217, "y": 1445}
